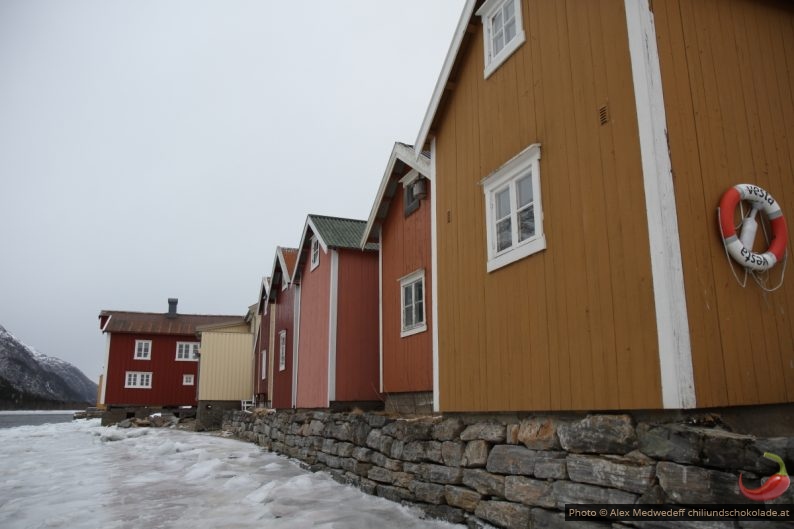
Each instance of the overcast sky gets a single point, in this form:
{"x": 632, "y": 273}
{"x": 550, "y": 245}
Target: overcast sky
{"x": 153, "y": 149}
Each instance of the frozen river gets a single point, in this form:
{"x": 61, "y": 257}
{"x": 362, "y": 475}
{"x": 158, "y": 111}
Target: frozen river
{"x": 80, "y": 475}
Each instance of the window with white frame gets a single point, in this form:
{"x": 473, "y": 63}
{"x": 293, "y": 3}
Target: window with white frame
{"x": 187, "y": 351}
{"x": 513, "y": 213}
{"x": 504, "y": 31}
{"x": 143, "y": 349}
{"x": 138, "y": 379}
{"x": 315, "y": 252}
{"x": 412, "y": 301}
{"x": 263, "y": 363}
{"x": 282, "y": 350}
{"x": 188, "y": 379}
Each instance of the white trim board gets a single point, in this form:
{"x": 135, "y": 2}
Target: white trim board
{"x": 672, "y": 323}
{"x": 296, "y": 325}
{"x": 332, "y": 301}
{"x": 380, "y": 315}
{"x": 434, "y": 273}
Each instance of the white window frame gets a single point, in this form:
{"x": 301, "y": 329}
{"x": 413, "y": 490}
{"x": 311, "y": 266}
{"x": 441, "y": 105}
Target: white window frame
{"x": 193, "y": 350}
{"x": 188, "y": 379}
{"x": 144, "y": 355}
{"x": 409, "y": 280}
{"x": 282, "y": 350}
{"x": 315, "y": 252}
{"x": 264, "y": 364}
{"x": 489, "y": 10}
{"x": 525, "y": 162}
{"x": 138, "y": 379}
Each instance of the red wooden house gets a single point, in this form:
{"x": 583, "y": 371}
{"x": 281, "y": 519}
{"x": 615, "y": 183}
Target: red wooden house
{"x": 283, "y": 297}
{"x": 152, "y": 358}
{"x": 338, "y": 314}
{"x": 400, "y": 222}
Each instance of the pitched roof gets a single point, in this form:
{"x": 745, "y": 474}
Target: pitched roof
{"x": 290, "y": 256}
{"x": 402, "y": 160}
{"x": 336, "y": 232}
{"x": 160, "y": 323}
{"x": 283, "y": 269}
{"x": 331, "y": 232}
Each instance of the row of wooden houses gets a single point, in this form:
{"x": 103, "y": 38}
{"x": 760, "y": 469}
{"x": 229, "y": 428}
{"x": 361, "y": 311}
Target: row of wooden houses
{"x": 550, "y": 241}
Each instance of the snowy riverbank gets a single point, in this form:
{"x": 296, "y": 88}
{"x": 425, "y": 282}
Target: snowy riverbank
{"x": 81, "y": 475}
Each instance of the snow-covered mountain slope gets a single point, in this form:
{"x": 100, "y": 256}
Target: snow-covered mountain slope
{"x": 28, "y": 377}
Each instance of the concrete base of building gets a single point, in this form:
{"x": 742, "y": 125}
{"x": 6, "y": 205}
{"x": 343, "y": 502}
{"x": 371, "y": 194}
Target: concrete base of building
{"x": 362, "y": 405}
{"x": 209, "y": 415}
{"x": 116, "y": 414}
{"x": 420, "y": 402}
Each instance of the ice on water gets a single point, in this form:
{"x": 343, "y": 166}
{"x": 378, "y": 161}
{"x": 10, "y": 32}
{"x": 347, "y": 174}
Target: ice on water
{"x": 81, "y": 475}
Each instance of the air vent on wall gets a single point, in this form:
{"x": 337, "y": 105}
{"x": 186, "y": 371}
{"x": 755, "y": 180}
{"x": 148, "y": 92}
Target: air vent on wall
{"x": 603, "y": 114}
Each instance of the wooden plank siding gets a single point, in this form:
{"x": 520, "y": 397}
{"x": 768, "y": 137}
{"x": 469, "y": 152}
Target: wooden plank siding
{"x": 282, "y": 378}
{"x": 728, "y": 75}
{"x": 572, "y": 327}
{"x": 357, "y": 327}
{"x": 314, "y": 325}
{"x": 225, "y": 366}
{"x": 271, "y": 351}
{"x": 166, "y": 372}
{"x": 405, "y": 248}
{"x": 263, "y": 344}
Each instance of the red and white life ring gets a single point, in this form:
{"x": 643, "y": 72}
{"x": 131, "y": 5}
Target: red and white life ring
{"x": 740, "y": 247}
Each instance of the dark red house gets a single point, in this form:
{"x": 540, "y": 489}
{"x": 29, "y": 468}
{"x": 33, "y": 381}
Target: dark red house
{"x": 152, "y": 358}
{"x": 282, "y": 298}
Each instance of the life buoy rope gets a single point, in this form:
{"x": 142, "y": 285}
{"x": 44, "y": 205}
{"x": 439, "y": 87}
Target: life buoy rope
{"x": 740, "y": 247}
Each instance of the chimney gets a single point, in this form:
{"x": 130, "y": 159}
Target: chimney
{"x": 172, "y": 307}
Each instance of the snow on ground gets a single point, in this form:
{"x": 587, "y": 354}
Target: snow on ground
{"x": 81, "y": 475}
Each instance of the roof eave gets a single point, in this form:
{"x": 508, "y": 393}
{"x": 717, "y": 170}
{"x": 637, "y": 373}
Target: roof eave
{"x": 443, "y": 78}
{"x": 407, "y": 155}
{"x": 215, "y": 326}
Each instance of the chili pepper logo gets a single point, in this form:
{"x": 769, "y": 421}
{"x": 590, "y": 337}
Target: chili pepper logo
{"x": 772, "y": 488}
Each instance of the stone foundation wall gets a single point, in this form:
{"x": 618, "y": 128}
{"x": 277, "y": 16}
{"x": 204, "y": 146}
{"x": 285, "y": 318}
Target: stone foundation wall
{"x": 512, "y": 472}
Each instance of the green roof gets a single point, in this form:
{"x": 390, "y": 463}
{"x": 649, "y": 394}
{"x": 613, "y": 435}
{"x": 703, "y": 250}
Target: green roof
{"x": 341, "y": 233}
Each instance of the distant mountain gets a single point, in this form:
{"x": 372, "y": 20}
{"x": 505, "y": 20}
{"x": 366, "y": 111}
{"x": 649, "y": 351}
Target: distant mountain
{"x": 29, "y": 379}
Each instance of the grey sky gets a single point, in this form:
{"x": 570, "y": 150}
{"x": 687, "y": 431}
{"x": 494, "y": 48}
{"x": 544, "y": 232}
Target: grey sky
{"x": 153, "y": 149}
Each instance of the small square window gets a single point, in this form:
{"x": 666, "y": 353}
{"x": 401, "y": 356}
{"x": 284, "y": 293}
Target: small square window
{"x": 504, "y": 31}
{"x": 187, "y": 351}
{"x": 315, "y": 253}
{"x": 412, "y": 302}
{"x": 410, "y": 200}
{"x": 143, "y": 349}
{"x": 282, "y": 350}
{"x": 514, "y": 217}
{"x": 188, "y": 380}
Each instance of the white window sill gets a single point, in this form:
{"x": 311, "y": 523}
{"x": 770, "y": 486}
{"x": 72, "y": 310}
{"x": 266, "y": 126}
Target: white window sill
{"x": 525, "y": 250}
{"x": 187, "y": 359}
{"x": 414, "y": 330}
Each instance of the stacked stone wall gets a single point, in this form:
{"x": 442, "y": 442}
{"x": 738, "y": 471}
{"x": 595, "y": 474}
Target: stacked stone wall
{"x": 512, "y": 473}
